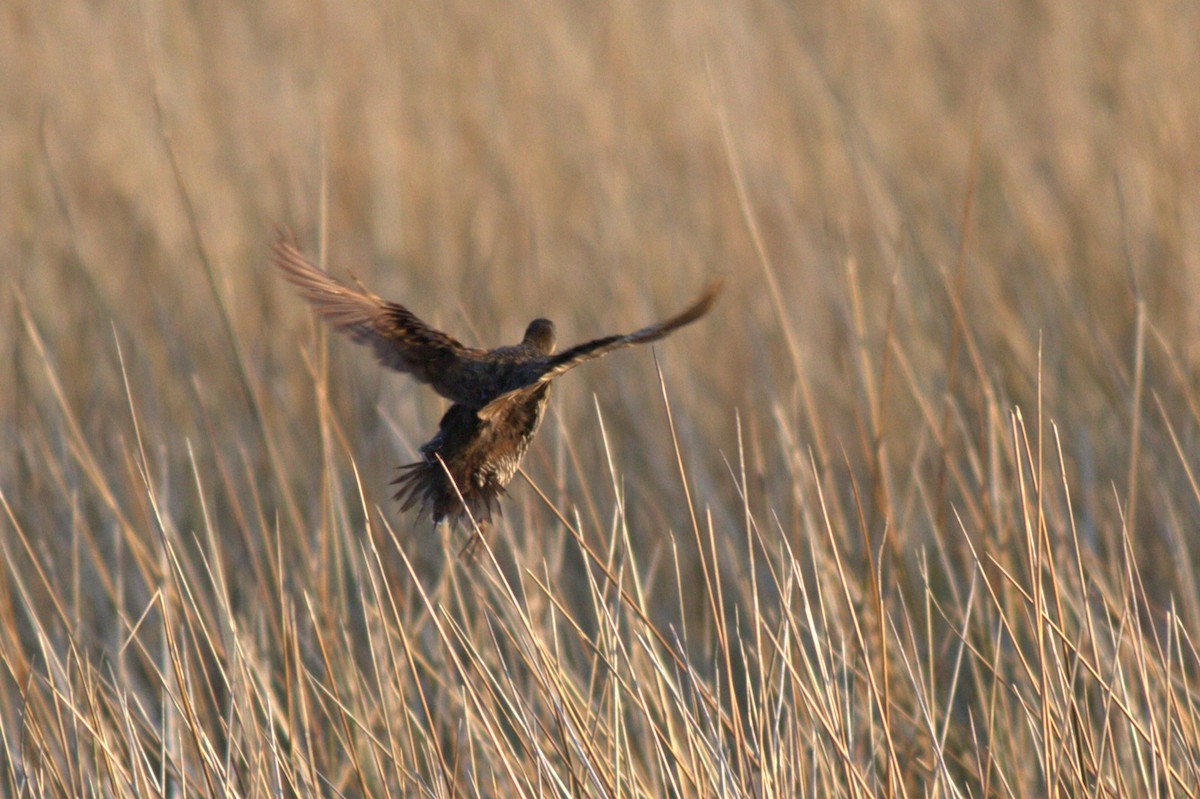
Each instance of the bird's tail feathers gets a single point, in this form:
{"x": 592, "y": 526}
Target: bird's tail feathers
{"x": 427, "y": 486}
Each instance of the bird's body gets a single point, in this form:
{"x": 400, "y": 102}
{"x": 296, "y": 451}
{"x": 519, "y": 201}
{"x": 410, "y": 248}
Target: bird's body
{"x": 479, "y": 457}
{"x": 498, "y": 396}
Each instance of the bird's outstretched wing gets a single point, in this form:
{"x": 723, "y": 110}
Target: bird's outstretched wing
{"x": 570, "y": 358}
{"x": 401, "y": 341}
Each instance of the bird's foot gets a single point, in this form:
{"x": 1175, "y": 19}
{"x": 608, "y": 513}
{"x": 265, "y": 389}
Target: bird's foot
{"x": 471, "y": 548}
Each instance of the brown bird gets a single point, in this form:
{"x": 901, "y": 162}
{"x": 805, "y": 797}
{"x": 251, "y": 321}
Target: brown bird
{"x": 498, "y": 395}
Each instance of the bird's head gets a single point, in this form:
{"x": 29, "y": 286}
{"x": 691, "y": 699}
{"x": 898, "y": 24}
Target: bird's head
{"x": 540, "y": 336}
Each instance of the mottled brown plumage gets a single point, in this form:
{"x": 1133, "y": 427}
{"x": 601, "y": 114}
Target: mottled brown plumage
{"x": 498, "y": 395}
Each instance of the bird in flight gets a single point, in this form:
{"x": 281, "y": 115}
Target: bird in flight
{"x": 498, "y": 396}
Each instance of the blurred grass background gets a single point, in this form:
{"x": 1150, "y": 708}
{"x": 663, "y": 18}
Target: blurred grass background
{"x": 960, "y": 209}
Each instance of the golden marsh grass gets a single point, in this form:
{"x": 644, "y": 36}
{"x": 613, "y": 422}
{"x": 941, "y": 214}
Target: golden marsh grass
{"x": 913, "y": 512}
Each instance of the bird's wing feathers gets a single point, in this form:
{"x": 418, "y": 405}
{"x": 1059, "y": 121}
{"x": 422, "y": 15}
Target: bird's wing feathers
{"x": 401, "y": 341}
{"x": 570, "y": 358}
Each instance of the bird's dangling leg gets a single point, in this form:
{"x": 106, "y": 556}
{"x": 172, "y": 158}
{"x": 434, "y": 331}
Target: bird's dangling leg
{"x": 474, "y": 539}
